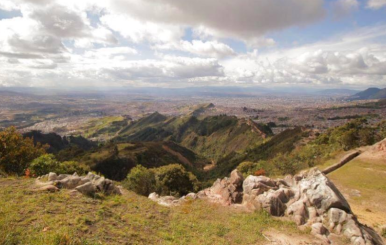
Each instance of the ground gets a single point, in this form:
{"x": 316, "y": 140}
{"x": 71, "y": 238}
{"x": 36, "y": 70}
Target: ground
{"x": 30, "y": 217}
{"x": 363, "y": 183}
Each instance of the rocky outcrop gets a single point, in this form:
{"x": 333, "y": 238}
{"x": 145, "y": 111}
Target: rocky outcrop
{"x": 226, "y": 191}
{"x": 88, "y": 185}
{"x": 310, "y": 199}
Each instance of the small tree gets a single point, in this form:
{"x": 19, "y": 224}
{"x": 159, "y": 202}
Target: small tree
{"x": 47, "y": 163}
{"x": 17, "y": 152}
{"x": 141, "y": 180}
{"x": 173, "y": 179}
{"x": 249, "y": 168}
{"x": 44, "y": 164}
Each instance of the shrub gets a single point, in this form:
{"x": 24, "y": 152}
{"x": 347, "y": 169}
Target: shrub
{"x": 141, "y": 180}
{"x": 16, "y": 152}
{"x": 249, "y": 168}
{"x": 48, "y": 163}
{"x": 44, "y": 164}
{"x": 173, "y": 179}
{"x": 70, "y": 167}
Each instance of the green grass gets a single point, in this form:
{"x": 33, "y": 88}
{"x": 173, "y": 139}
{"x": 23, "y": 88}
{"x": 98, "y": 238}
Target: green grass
{"x": 29, "y": 217}
{"x": 107, "y": 126}
{"x": 369, "y": 178}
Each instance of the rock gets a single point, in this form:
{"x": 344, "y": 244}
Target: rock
{"x": 321, "y": 192}
{"x": 260, "y": 183}
{"x": 318, "y": 229}
{"x": 87, "y": 188}
{"x": 70, "y": 182}
{"x": 299, "y": 212}
{"x": 52, "y": 176}
{"x": 49, "y": 188}
{"x": 191, "y": 196}
{"x": 228, "y": 190}
{"x": 153, "y": 196}
{"x": 89, "y": 184}
{"x": 167, "y": 201}
{"x": 236, "y": 178}
{"x": 272, "y": 203}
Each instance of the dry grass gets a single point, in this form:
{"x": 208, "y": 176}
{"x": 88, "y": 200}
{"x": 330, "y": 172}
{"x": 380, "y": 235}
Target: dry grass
{"x": 29, "y": 217}
{"x": 363, "y": 183}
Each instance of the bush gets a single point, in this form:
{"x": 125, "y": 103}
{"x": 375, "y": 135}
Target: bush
{"x": 47, "y": 163}
{"x": 248, "y": 168}
{"x": 141, "y": 180}
{"x": 71, "y": 167}
{"x": 44, "y": 164}
{"x": 173, "y": 180}
{"x": 16, "y": 152}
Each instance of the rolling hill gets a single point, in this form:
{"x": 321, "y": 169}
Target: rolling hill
{"x": 370, "y": 93}
{"x": 212, "y": 137}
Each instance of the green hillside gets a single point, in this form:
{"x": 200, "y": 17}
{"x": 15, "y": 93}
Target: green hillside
{"x": 212, "y": 137}
{"x": 114, "y": 160}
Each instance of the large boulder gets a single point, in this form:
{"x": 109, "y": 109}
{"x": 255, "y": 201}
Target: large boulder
{"x": 226, "y": 191}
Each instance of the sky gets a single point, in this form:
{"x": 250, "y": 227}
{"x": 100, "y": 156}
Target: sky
{"x": 178, "y": 43}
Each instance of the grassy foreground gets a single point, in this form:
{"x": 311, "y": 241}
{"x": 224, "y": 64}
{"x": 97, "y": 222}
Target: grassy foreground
{"x": 63, "y": 218}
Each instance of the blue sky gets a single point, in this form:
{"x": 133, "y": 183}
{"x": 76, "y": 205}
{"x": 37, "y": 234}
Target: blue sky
{"x": 167, "y": 43}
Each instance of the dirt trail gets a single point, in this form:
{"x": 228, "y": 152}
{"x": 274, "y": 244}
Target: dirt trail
{"x": 342, "y": 162}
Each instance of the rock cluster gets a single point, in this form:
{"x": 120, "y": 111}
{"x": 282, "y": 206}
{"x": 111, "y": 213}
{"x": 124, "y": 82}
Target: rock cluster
{"x": 170, "y": 201}
{"x": 88, "y": 185}
{"x": 309, "y": 198}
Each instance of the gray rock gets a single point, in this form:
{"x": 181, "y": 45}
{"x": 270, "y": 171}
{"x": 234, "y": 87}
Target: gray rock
{"x": 89, "y": 184}
{"x": 86, "y": 189}
{"x": 52, "y": 176}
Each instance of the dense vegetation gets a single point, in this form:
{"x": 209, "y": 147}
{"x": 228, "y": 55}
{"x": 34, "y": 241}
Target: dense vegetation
{"x": 17, "y": 152}
{"x": 168, "y": 180}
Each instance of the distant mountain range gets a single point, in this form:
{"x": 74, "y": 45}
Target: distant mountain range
{"x": 368, "y": 94}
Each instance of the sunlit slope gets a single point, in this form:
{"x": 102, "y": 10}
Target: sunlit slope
{"x": 29, "y": 217}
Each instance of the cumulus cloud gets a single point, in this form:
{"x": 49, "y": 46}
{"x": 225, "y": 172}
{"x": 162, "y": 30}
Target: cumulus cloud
{"x": 138, "y": 31}
{"x": 376, "y": 4}
{"x": 353, "y": 58}
{"x": 201, "y": 48}
{"x": 244, "y": 18}
{"x": 143, "y": 42}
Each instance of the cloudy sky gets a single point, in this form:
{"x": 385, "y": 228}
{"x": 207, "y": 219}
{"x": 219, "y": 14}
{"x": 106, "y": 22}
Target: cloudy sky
{"x": 178, "y": 43}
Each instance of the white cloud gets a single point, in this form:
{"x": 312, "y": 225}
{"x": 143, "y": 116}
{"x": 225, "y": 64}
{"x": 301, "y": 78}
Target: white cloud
{"x": 354, "y": 59}
{"x": 201, "y": 48}
{"x": 138, "y": 31}
{"x": 118, "y": 53}
{"x": 84, "y": 42}
{"x": 376, "y": 4}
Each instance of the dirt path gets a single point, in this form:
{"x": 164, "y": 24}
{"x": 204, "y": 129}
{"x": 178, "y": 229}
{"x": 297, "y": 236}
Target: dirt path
{"x": 342, "y": 162}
